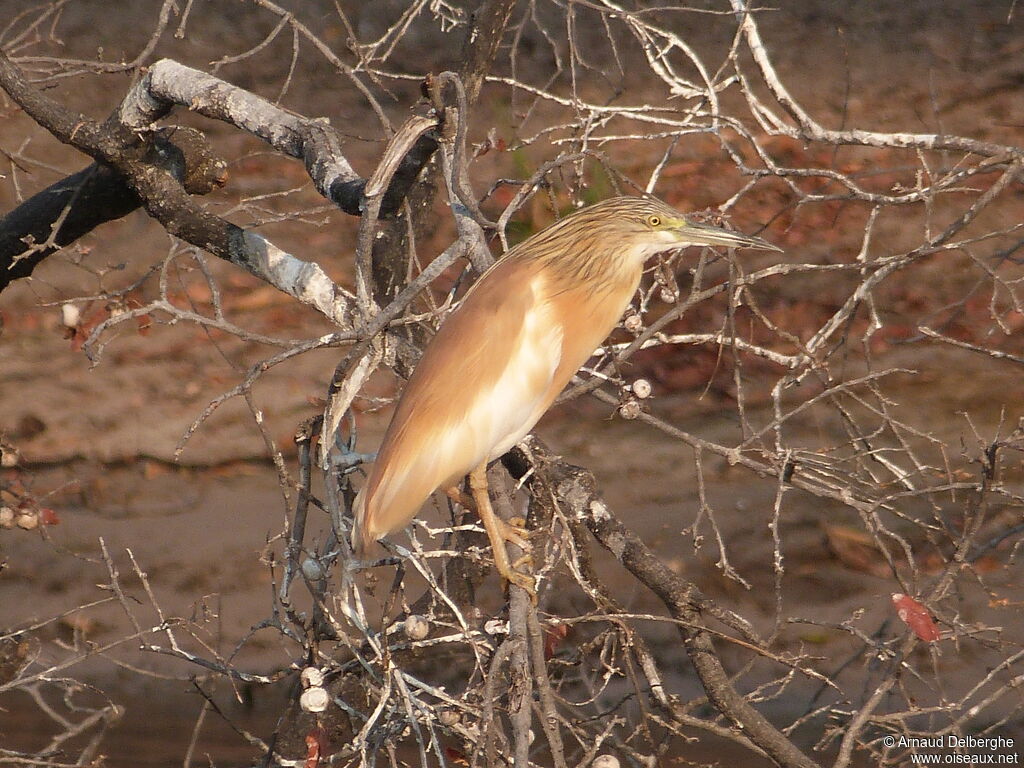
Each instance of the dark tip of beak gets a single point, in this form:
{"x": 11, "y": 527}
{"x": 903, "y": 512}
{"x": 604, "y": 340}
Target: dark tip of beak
{"x": 707, "y": 234}
{"x": 757, "y": 242}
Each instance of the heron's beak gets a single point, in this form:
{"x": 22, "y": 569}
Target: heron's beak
{"x": 694, "y": 233}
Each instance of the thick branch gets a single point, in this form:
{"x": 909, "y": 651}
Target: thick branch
{"x": 170, "y": 204}
{"x": 486, "y": 30}
{"x": 313, "y": 141}
{"x": 391, "y": 250}
{"x": 77, "y": 204}
{"x": 117, "y": 144}
{"x": 577, "y": 489}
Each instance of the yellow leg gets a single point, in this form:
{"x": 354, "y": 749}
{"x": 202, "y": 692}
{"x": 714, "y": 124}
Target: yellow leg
{"x": 498, "y": 531}
{"x": 460, "y": 498}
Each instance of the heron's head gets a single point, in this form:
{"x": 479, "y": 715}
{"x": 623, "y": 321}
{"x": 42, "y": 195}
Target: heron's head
{"x": 608, "y": 242}
{"x": 645, "y": 226}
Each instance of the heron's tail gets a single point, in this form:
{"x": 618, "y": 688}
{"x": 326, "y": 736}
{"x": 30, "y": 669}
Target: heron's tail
{"x": 361, "y": 537}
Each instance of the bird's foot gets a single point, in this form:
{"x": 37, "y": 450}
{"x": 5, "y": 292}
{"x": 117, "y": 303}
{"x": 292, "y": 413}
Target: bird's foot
{"x": 500, "y": 532}
{"x": 514, "y": 531}
{"x": 526, "y": 560}
{"x": 524, "y": 581}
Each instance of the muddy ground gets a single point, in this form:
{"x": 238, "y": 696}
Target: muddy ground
{"x": 98, "y": 441}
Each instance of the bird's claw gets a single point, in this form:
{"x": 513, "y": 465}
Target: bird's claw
{"x": 525, "y": 582}
{"x": 499, "y": 532}
{"x": 524, "y": 560}
{"x": 514, "y": 532}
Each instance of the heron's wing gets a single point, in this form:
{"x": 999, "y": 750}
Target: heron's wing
{"x": 479, "y": 387}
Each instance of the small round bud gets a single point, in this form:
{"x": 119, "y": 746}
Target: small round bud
{"x": 668, "y": 295}
{"x": 629, "y": 409}
{"x": 314, "y": 699}
{"x": 496, "y": 627}
{"x": 28, "y": 520}
{"x": 605, "y": 761}
{"x": 449, "y": 717}
{"x": 70, "y": 314}
{"x": 416, "y": 627}
{"x": 6, "y": 517}
{"x": 642, "y": 388}
{"x": 633, "y": 323}
{"x": 312, "y": 569}
{"x": 312, "y": 677}
{"x": 9, "y": 456}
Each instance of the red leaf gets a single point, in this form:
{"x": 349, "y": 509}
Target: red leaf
{"x": 916, "y": 616}
{"x": 553, "y": 637}
{"x": 48, "y": 517}
{"x": 316, "y": 743}
{"x": 455, "y": 756}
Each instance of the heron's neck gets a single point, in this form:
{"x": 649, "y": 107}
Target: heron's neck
{"x": 590, "y": 264}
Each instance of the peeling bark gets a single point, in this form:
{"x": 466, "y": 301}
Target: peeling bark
{"x": 133, "y": 170}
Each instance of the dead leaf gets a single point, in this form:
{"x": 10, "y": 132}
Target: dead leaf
{"x": 856, "y": 550}
{"x": 553, "y": 637}
{"x": 916, "y": 616}
{"x": 48, "y": 517}
{"x": 455, "y": 756}
{"x": 316, "y": 743}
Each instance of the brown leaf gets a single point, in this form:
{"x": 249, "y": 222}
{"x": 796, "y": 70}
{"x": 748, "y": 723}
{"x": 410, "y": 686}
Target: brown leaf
{"x": 856, "y": 549}
{"x": 916, "y": 616}
{"x": 553, "y": 637}
{"x": 455, "y": 757}
{"x": 48, "y": 517}
{"x": 316, "y": 743}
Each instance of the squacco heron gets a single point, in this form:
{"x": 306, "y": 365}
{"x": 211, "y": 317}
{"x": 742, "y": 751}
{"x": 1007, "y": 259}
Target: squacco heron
{"x": 504, "y": 354}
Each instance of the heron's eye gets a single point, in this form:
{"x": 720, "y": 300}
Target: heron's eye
{"x": 654, "y": 221}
